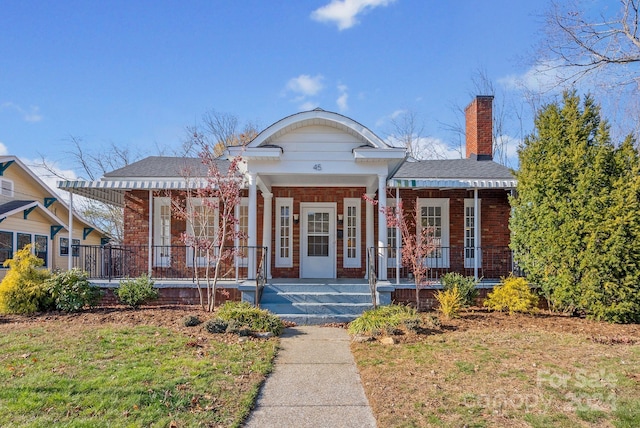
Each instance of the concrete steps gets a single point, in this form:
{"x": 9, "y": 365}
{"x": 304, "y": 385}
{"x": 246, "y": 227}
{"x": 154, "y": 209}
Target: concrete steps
{"x": 319, "y": 303}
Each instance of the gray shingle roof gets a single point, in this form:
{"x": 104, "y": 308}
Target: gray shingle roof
{"x": 163, "y": 166}
{"x": 13, "y": 205}
{"x": 453, "y": 169}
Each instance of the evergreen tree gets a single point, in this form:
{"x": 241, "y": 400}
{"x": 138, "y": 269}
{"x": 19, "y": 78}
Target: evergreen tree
{"x": 575, "y": 221}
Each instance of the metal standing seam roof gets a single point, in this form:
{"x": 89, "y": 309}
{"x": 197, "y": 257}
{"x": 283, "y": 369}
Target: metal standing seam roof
{"x": 453, "y": 173}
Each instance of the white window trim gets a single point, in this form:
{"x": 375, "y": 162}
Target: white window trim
{"x": 444, "y": 260}
{"x": 279, "y": 260}
{"x": 352, "y": 262}
{"x": 469, "y": 262}
{"x": 162, "y": 256}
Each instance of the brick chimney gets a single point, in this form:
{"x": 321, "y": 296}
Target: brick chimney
{"x": 479, "y": 124}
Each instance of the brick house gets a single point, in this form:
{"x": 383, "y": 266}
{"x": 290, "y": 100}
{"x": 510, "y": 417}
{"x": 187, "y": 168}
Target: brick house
{"x": 303, "y": 210}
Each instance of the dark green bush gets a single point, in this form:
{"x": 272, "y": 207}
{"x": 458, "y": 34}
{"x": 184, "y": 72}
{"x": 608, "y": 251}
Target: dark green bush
{"x": 466, "y": 286}
{"x": 134, "y": 292}
{"x": 216, "y": 325}
{"x": 72, "y": 291}
{"x": 191, "y": 321}
{"x": 384, "y": 319}
{"x": 254, "y": 319}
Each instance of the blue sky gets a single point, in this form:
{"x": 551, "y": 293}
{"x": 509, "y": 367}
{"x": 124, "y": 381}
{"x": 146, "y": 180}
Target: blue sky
{"x": 135, "y": 73}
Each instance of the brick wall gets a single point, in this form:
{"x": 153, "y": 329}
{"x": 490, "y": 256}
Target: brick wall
{"x": 177, "y": 296}
{"x": 479, "y": 127}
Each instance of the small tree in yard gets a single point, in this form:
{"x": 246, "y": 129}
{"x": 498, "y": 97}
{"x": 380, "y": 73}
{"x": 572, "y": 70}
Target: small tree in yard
{"x": 417, "y": 244}
{"x": 210, "y": 212}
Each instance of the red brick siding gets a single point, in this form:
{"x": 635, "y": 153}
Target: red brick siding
{"x": 177, "y": 296}
{"x": 479, "y": 126}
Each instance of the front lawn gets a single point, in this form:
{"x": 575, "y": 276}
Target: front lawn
{"x": 126, "y": 368}
{"x": 494, "y": 370}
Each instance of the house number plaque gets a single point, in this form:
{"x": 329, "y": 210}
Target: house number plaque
{"x": 317, "y": 167}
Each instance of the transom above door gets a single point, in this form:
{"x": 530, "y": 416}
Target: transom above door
{"x": 318, "y": 240}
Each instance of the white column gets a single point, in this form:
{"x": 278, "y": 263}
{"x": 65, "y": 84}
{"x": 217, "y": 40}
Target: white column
{"x": 150, "y": 258}
{"x": 370, "y": 240}
{"x": 252, "y": 240}
{"x": 382, "y": 227}
{"x": 266, "y": 228}
{"x": 476, "y": 232}
{"x": 70, "y": 255}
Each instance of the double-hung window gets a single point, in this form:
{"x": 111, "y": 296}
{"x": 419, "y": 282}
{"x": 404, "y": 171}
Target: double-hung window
{"x": 434, "y": 215}
{"x": 392, "y": 239}
{"x": 203, "y": 229}
{"x": 242, "y": 214}
{"x": 162, "y": 232}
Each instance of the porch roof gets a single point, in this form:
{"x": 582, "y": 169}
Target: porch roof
{"x": 453, "y": 173}
{"x": 112, "y": 191}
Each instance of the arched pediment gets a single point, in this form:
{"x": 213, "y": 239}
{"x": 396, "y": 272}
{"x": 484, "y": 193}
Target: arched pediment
{"x": 317, "y": 117}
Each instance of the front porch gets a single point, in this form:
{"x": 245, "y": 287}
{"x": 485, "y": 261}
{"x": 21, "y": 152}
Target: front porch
{"x": 176, "y": 264}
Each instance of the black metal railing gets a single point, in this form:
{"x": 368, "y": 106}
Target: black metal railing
{"x": 165, "y": 262}
{"x": 493, "y": 263}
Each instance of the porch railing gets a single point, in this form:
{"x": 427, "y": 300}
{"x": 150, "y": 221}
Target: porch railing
{"x": 166, "y": 262}
{"x": 494, "y": 263}
{"x": 261, "y": 277}
{"x": 371, "y": 274}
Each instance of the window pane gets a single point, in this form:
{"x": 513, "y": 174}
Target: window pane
{"x": 6, "y": 246}
{"x": 24, "y": 239}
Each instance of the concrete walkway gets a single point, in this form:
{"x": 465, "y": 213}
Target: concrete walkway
{"x": 315, "y": 383}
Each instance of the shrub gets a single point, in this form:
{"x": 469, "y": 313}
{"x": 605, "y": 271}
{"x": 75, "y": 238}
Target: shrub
{"x": 514, "y": 295}
{"x": 71, "y": 290}
{"x": 450, "y": 301}
{"x": 23, "y": 289}
{"x": 466, "y": 286}
{"x": 191, "y": 321}
{"x": 216, "y": 325}
{"x": 254, "y": 319}
{"x": 134, "y": 292}
{"x": 385, "y": 319}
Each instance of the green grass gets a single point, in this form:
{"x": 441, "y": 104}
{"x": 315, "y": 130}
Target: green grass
{"x": 126, "y": 376}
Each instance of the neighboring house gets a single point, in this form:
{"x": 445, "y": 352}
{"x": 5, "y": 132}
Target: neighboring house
{"x": 32, "y": 213}
{"x": 303, "y": 209}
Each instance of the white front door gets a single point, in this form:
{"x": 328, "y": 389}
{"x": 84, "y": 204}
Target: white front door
{"x": 318, "y": 240}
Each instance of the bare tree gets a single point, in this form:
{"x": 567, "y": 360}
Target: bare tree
{"x": 507, "y": 129}
{"x": 581, "y": 45}
{"x": 210, "y": 213}
{"x": 407, "y": 130}
{"x": 601, "y": 50}
{"x": 91, "y": 165}
{"x": 218, "y": 130}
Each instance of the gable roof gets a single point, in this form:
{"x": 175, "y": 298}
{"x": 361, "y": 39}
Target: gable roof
{"x": 12, "y": 207}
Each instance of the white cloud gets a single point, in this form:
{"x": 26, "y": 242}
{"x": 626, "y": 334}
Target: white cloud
{"x": 51, "y": 177}
{"x": 343, "y": 99}
{"x": 3, "y": 149}
{"x": 32, "y": 114}
{"x": 305, "y": 85}
{"x": 344, "y": 13}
